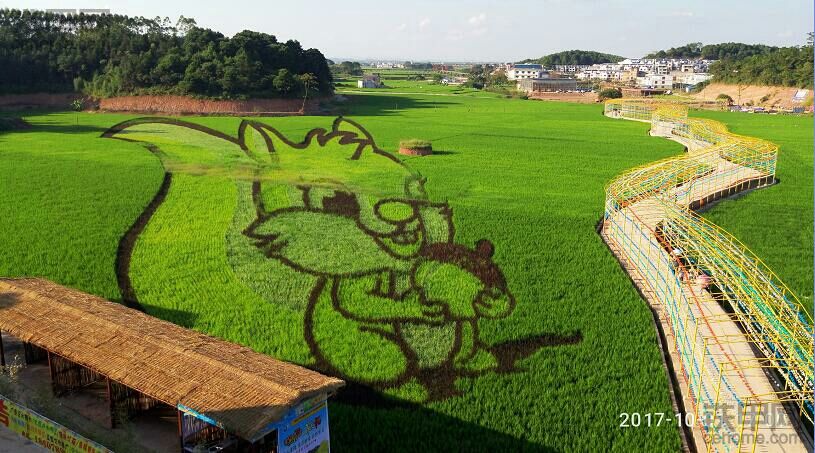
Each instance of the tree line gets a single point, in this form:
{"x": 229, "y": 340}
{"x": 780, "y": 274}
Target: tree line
{"x": 111, "y": 55}
{"x": 725, "y": 50}
{"x": 575, "y": 57}
{"x": 786, "y": 66}
{"x": 347, "y": 68}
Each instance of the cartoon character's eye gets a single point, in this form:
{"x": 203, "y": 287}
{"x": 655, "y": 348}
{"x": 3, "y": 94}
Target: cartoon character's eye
{"x": 491, "y": 294}
{"x": 396, "y": 211}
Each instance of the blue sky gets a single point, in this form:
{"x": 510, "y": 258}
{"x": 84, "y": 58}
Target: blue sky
{"x": 481, "y": 30}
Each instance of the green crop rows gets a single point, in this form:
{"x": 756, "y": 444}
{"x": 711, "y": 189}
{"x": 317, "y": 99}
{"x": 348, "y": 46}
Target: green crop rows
{"x": 526, "y": 176}
{"x": 776, "y": 223}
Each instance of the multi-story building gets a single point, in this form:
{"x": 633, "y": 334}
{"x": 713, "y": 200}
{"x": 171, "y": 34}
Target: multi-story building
{"x": 662, "y": 81}
{"x": 571, "y": 68}
{"x": 526, "y": 71}
{"x": 630, "y": 68}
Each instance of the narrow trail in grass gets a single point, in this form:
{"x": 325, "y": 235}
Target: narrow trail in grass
{"x": 736, "y": 329}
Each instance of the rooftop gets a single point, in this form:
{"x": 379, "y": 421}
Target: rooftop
{"x": 243, "y": 390}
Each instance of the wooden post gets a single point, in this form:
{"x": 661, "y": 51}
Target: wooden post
{"x": 2, "y": 352}
{"x": 180, "y": 429}
{"x": 111, "y": 404}
{"x": 51, "y": 372}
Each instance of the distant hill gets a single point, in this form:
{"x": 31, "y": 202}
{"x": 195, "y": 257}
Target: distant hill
{"x": 575, "y": 57}
{"x": 721, "y": 51}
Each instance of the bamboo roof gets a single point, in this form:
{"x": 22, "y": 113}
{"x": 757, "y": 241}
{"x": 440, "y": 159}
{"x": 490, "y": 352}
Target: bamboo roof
{"x": 243, "y": 390}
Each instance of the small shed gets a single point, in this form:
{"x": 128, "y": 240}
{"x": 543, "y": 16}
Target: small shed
{"x": 370, "y": 81}
{"x": 225, "y": 395}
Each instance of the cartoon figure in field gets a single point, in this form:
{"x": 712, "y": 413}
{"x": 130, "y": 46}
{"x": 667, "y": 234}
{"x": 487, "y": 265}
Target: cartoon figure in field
{"x": 395, "y": 300}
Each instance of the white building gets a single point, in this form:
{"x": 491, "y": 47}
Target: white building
{"x": 526, "y": 71}
{"x": 661, "y": 68}
{"x": 571, "y": 68}
{"x": 688, "y": 80}
{"x": 78, "y": 11}
{"x": 656, "y": 81}
{"x": 607, "y": 72}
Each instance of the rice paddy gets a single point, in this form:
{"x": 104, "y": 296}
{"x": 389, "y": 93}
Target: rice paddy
{"x": 282, "y": 251}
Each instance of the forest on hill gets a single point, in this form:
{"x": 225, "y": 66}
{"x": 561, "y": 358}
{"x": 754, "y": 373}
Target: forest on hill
{"x": 575, "y": 57}
{"x": 725, "y": 50}
{"x": 751, "y": 64}
{"x": 112, "y": 55}
{"x": 787, "y": 66}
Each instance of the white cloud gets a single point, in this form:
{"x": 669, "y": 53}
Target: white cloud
{"x": 401, "y": 27}
{"x": 477, "y": 20}
{"x": 424, "y": 23}
{"x": 681, "y": 14}
{"x": 455, "y": 35}
{"x": 479, "y": 31}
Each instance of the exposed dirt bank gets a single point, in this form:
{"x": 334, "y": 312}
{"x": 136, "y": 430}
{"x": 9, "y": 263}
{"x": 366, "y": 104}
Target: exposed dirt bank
{"x": 183, "y": 105}
{"x": 764, "y": 96}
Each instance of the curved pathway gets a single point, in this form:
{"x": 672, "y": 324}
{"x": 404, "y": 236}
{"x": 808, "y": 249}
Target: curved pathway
{"x": 731, "y": 324}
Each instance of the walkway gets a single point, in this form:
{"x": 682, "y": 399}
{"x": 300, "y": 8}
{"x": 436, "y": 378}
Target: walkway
{"x": 722, "y": 381}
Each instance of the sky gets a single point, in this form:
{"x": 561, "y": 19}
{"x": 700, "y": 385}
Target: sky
{"x": 481, "y": 30}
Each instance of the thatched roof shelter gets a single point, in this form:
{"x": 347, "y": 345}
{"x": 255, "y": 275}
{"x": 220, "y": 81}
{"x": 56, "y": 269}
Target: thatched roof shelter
{"x": 243, "y": 390}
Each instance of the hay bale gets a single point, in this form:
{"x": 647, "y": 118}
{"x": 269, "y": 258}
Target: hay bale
{"x": 415, "y": 147}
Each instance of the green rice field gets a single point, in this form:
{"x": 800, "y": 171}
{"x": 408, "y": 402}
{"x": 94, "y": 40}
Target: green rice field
{"x": 465, "y": 296}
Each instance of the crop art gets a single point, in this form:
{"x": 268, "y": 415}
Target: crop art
{"x": 387, "y": 283}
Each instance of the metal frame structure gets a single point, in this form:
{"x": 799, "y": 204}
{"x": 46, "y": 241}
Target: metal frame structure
{"x": 731, "y": 321}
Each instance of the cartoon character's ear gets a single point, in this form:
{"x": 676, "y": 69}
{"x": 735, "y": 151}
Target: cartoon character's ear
{"x": 484, "y": 248}
{"x": 342, "y": 124}
{"x": 256, "y": 142}
{"x": 139, "y": 130}
{"x": 274, "y": 141}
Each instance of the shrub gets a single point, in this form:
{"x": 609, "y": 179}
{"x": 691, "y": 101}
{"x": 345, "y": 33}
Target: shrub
{"x": 610, "y": 93}
{"x": 416, "y": 144}
{"x": 724, "y": 99}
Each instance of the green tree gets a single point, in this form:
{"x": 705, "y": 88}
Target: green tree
{"x": 308, "y": 84}
{"x": 351, "y": 68}
{"x": 477, "y": 77}
{"x": 499, "y": 78}
{"x": 284, "y": 82}
{"x": 108, "y": 55}
{"x": 575, "y": 57}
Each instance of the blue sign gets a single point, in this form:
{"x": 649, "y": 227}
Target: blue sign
{"x": 306, "y": 433}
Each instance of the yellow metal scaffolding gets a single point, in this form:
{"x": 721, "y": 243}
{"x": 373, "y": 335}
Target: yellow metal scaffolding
{"x": 720, "y": 302}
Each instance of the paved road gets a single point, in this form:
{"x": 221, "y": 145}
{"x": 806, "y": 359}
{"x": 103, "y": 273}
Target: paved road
{"x": 11, "y": 442}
